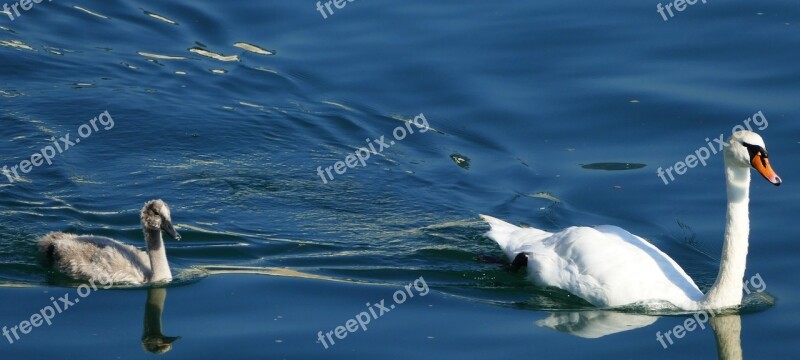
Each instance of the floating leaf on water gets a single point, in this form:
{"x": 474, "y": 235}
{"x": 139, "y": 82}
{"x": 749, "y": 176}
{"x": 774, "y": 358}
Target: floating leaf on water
{"x": 612, "y": 166}
{"x": 461, "y": 161}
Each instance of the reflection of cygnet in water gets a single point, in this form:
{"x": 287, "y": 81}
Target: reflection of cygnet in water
{"x": 594, "y": 324}
{"x": 152, "y": 338}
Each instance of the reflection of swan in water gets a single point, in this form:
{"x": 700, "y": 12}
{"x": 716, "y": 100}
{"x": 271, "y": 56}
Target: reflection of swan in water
{"x": 152, "y": 338}
{"x": 728, "y": 331}
{"x": 595, "y": 324}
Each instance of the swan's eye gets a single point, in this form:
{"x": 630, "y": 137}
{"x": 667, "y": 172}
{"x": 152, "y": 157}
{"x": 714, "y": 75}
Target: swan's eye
{"x": 755, "y": 150}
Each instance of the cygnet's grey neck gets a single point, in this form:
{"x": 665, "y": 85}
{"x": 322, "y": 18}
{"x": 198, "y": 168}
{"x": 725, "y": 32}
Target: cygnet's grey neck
{"x": 152, "y": 313}
{"x": 158, "y": 256}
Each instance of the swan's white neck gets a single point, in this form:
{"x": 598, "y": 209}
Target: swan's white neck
{"x": 727, "y": 290}
{"x": 158, "y": 256}
{"x": 728, "y": 331}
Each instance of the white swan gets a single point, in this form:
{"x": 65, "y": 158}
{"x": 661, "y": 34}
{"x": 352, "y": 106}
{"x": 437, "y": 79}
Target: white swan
{"x": 89, "y": 257}
{"x": 610, "y": 267}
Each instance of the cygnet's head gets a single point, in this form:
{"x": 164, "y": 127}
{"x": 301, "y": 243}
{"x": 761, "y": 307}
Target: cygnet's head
{"x": 159, "y": 344}
{"x": 156, "y": 216}
{"x": 747, "y": 149}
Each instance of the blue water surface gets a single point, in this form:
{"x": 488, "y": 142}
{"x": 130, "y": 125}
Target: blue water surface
{"x": 544, "y": 113}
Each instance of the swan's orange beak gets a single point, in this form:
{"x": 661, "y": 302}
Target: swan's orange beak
{"x": 761, "y": 164}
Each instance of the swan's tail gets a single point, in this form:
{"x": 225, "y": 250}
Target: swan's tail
{"x": 46, "y": 245}
{"x": 505, "y": 235}
{"x": 500, "y": 230}
{"x": 499, "y": 227}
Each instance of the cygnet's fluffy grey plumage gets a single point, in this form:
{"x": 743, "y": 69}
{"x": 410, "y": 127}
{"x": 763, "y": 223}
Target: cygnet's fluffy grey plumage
{"x": 89, "y": 257}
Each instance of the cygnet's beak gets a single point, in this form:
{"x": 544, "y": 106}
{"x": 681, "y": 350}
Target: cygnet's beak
{"x": 761, "y": 164}
{"x": 166, "y": 225}
{"x": 159, "y": 345}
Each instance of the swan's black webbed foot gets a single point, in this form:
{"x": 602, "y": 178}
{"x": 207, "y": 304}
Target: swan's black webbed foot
{"x": 519, "y": 262}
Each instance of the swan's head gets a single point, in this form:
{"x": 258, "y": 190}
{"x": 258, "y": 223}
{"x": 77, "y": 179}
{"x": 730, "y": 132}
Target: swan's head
{"x": 156, "y": 216}
{"x": 747, "y": 149}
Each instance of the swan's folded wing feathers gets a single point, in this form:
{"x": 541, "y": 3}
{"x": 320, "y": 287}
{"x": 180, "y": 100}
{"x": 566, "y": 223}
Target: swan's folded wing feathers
{"x": 608, "y": 266}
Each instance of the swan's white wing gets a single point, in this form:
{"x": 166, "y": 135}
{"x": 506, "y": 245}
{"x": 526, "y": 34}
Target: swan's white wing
{"x": 609, "y": 267}
{"x": 605, "y": 265}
